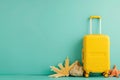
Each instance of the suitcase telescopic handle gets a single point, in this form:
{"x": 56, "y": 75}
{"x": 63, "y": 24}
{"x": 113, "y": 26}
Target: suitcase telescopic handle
{"x": 95, "y": 17}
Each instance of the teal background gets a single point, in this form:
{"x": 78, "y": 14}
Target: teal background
{"x": 35, "y": 34}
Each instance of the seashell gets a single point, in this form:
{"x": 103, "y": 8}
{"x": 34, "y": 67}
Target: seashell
{"x": 76, "y": 70}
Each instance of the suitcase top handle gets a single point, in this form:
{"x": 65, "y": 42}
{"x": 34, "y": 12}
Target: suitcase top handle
{"x": 95, "y": 17}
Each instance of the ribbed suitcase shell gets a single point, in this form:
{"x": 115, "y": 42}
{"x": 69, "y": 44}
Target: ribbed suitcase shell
{"x": 96, "y": 56}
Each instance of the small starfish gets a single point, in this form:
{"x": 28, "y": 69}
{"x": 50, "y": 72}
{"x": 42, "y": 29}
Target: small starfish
{"x": 114, "y": 72}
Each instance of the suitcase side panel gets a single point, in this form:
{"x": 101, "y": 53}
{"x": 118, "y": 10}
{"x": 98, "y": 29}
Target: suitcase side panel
{"x": 96, "y": 53}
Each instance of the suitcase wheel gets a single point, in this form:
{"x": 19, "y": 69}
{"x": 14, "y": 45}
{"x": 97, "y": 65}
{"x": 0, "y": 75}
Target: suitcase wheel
{"x": 86, "y": 75}
{"x": 105, "y": 74}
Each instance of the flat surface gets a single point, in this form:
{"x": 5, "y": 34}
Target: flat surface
{"x": 39, "y": 77}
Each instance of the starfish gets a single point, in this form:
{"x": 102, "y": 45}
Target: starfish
{"x": 114, "y": 72}
{"x": 62, "y": 70}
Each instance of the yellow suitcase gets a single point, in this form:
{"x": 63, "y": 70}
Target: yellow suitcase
{"x": 96, "y": 52}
